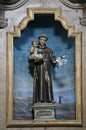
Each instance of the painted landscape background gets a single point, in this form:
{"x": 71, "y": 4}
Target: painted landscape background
{"x": 63, "y": 77}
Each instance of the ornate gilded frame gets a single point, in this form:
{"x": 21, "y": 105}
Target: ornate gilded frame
{"x": 78, "y": 57}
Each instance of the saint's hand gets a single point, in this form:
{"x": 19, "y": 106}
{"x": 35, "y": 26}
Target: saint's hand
{"x": 38, "y": 60}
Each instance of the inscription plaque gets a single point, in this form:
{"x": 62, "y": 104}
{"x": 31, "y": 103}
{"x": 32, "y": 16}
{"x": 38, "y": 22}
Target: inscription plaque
{"x": 44, "y": 111}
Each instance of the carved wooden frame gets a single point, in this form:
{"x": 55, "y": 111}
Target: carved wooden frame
{"x": 73, "y": 5}
{"x": 78, "y": 57}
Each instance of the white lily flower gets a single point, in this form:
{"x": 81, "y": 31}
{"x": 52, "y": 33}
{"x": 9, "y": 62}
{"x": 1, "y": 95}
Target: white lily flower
{"x": 61, "y": 60}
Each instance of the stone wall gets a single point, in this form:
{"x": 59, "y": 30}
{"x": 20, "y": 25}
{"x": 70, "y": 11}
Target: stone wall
{"x": 14, "y": 18}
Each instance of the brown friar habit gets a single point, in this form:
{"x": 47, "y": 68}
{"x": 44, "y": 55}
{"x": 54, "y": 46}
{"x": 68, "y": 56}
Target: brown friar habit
{"x": 42, "y": 89}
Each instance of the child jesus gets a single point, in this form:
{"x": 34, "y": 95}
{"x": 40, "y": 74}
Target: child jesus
{"x": 34, "y": 51}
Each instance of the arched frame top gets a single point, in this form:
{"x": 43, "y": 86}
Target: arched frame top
{"x": 78, "y": 70}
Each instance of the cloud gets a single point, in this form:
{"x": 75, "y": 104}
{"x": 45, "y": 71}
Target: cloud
{"x": 22, "y": 82}
{"x": 64, "y": 82}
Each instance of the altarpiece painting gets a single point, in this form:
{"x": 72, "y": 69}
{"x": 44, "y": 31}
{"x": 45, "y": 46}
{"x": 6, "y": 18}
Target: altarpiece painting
{"x": 65, "y": 108}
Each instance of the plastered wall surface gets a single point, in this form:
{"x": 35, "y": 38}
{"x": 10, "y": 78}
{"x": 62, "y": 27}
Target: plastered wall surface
{"x": 14, "y": 18}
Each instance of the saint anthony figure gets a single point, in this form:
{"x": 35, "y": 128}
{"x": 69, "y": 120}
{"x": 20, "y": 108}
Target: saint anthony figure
{"x": 42, "y": 86}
